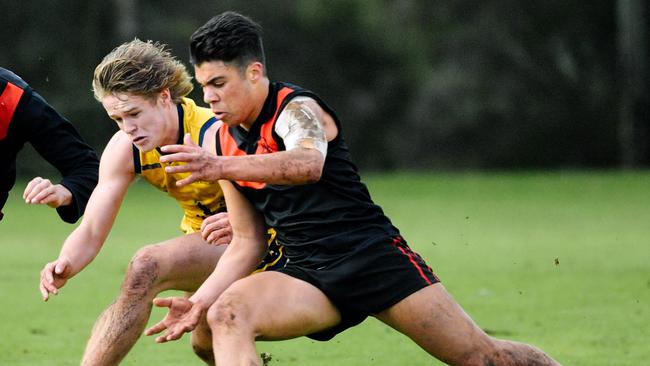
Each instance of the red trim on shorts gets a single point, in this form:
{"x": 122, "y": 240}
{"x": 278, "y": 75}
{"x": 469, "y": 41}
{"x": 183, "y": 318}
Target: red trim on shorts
{"x": 8, "y": 104}
{"x": 410, "y": 254}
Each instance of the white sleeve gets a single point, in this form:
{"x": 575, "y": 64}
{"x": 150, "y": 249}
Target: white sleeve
{"x": 298, "y": 125}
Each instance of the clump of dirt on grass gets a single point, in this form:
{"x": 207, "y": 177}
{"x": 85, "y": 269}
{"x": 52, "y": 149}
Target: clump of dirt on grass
{"x": 266, "y": 358}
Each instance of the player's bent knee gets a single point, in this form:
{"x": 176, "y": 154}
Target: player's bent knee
{"x": 227, "y": 313}
{"x": 143, "y": 271}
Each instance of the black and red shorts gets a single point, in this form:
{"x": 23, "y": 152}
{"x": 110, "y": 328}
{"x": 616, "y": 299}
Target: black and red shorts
{"x": 366, "y": 278}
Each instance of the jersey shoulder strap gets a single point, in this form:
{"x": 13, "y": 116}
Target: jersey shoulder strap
{"x": 9, "y": 100}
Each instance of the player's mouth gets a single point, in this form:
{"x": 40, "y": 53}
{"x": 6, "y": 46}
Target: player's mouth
{"x": 219, "y": 115}
{"x": 139, "y": 140}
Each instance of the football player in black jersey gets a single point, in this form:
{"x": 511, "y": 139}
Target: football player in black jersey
{"x": 283, "y": 162}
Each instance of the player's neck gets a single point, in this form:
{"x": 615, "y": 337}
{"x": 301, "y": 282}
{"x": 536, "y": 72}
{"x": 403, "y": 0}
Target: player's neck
{"x": 258, "y": 97}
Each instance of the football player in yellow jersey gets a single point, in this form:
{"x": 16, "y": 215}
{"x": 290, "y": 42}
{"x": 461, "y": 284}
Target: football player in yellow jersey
{"x": 142, "y": 88}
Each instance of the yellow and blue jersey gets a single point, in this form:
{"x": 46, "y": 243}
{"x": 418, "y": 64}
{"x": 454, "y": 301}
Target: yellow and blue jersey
{"x": 199, "y": 199}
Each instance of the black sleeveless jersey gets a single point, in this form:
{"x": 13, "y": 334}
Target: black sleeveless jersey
{"x": 317, "y": 214}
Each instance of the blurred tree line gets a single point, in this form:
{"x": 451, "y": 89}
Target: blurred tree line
{"x": 418, "y": 84}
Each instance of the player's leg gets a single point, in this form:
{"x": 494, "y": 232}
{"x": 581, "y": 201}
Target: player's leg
{"x": 181, "y": 263}
{"x": 439, "y": 325}
{"x": 269, "y": 306}
{"x": 202, "y": 342}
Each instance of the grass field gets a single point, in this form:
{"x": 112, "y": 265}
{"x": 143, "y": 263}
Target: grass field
{"x": 560, "y": 260}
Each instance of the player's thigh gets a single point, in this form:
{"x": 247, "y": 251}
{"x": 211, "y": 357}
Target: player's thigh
{"x": 277, "y": 306}
{"x": 186, "y": 261}
{"x": 435, "y": 321}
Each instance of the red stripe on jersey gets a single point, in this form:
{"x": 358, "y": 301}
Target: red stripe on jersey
{"x": 8, "y": 104}
{"x": 411, "y": 256}
{"x": 265, "y": 145}
{"x": 229, "y": 148}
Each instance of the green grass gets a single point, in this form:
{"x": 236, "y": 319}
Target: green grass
{"x": 560, "y": 260}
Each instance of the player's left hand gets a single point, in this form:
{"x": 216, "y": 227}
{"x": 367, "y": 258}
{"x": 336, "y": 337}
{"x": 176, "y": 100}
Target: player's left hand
{"x": 216, "y": 229}
{"x": 42, "y": 191}
{"x": 202, "y": 164}
{"x": 183, "y": 317}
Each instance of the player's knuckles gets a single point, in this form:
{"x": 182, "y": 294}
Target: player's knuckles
{"x": 43, "y": 184}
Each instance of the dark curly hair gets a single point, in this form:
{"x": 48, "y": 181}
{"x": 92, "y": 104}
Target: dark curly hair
{"x": 229, "y": 37}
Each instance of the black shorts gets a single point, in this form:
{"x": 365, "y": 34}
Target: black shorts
{"x": 369, "y": 277}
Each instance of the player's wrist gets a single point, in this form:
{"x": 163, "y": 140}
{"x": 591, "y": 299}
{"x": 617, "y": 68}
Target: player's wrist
{"x": 65, "y": 194}
{"x": 200, "y": 304}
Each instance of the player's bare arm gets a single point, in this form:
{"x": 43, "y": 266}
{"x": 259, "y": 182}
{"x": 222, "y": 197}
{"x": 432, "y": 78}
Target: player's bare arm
{"x": 83, "y": 244}
{"x": 306, "y": 129}
{"x": 244, "y": 252}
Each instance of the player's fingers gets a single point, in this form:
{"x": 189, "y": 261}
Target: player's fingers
{"x": 30, "y": 186}
{"x": 204, "y": 223}
{"x": 163, "y": 302}
{"x": 156, "y": 329}
{"x": 47, "y": 195}
{"x": 218, "y": 237}
{"x": 179, "y": 156}
{"x": 46, "y": 273}
{"x": 44, "y": 293}
{"x": 48, "y": 283}
{"x": 208, "y": 227}
{"x": 37, "y": 189}
{"x": 50, "y": 288}
{"x": 220, "y": 220}
{"x": 224, "y": 239}
{"x": 184, "y": 168}
{"x": 161, "y": 339}
{"x": 211, "y": 237}
{"x": 173, "y": 149}
{"x": 221, "y": 217}
{"x": 191, "y": 179}
{"x": 187, "y": 140}
{"x": 177, "y": 333}
{"x": 60, "y": 267}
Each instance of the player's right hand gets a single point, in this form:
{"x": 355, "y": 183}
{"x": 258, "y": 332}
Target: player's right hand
{"x": 201, "y": 164}
{"x": 54, "y": 276}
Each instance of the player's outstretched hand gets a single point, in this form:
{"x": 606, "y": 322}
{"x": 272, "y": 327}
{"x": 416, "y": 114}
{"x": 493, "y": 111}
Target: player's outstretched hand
{"x": 183, "y": 316}
{"x": 202, "y": 164}
{"x": 54, "y": 276}
{"x": 42, "y": 191}
{"x": 216, "y": 229}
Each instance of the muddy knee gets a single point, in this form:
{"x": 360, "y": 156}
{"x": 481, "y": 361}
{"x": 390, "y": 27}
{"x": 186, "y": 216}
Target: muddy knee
{"x": 229, "y": 312}
{"x": 143, "y": 272}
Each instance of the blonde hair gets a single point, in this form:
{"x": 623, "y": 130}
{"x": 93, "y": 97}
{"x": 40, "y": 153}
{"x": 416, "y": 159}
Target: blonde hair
{"x": 141, "y": 68}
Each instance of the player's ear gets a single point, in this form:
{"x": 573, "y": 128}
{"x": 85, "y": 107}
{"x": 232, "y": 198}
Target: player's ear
{"x": 165, "y": 95}
{"x": 255, "y": 71}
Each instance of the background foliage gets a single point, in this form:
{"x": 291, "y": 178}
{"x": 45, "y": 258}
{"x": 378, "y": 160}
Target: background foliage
{"x": 417, "y": 83}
